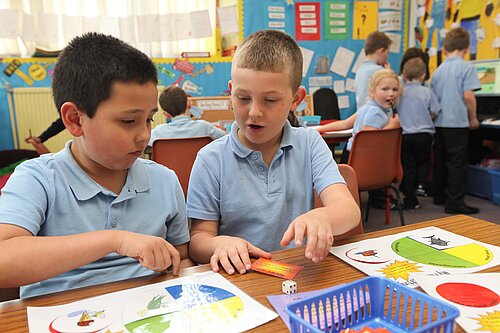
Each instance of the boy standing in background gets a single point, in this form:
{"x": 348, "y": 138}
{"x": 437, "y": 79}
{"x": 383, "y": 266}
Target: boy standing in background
{"x": 83, "y": 216}
{"x": 454, "y": 83}
{"x": 174, "y": 102}
{"x": 252, "y": 191}
{"x": 417, "y": 107}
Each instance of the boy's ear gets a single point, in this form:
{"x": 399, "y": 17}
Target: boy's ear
{"x": 166, "y": 114}
{"x": 298, "y": 97}
{"x": 70, "y": 115}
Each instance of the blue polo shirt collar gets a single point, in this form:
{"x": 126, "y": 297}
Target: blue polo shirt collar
{"x": 241, "y": 151}
{"x": 372, "y": 102}
{"x": 181, "y": 119}
{"x": 86, "y": 188}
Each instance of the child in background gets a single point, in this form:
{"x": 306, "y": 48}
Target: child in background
{"x": 83, "y": 216}
{"x": 454, "y": 83}
{"x": 377, "y": 113}
{"x": 174, "y": 102}
{"x": 417, "y": 107}
{"x": 253, "y": 190}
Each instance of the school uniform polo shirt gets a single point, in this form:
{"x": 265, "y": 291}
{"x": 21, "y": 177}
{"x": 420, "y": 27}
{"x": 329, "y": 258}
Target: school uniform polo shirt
{"x": 230, "y": 183}
{"x": 449, "y": 82}
{"x": 52, "y": 196}
{"x": 362, "y": 81}
{"x": 185, "y": 127}
{"x": 371, "y": 114}
{"x": 415, "y": 108}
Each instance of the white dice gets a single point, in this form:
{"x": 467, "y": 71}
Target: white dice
{"x": 289, "y": 287}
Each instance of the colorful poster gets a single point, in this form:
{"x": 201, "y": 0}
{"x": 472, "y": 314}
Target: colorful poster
{"x": 336, "y": 19}
{"x": 203, "y": 302}
{"x": 276, "y": 17}
{"x": 364, "y": 19}
{"x": 307, "y": 21}
{"x": 477, "y": 296}
{"x": 431, "y": 250}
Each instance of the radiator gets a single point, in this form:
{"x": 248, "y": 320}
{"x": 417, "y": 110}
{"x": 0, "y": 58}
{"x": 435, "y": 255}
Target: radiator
{"x": 33, "y": 109}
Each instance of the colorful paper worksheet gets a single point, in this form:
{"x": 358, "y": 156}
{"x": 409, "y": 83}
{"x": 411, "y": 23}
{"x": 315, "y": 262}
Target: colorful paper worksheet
{"x": 431, "y": 250}
{"x": 477, "y": 296}
{"x": 204, "y": 302}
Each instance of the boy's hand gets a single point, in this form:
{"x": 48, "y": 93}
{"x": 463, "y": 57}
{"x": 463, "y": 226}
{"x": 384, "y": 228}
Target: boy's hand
{"x": 154, "y": 253}
{"x": 474, "y": 124}
{"x": 393, "y": 122}
{"x": 319, "y": 236}
{"x": 234, "y": 253}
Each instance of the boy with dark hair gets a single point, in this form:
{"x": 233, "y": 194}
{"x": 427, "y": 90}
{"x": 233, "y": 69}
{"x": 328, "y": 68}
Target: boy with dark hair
{"x": 252, "y": 191}
{"x": 174, "y": 102}
{"x": 82, "y": 216}
{"x": 454, "y": 83}
{"x": 417, "y": 107}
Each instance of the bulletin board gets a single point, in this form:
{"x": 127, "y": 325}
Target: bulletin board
{"x": 331, "y": 34}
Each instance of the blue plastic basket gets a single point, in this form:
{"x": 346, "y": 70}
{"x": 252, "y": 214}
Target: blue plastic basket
{"x": 373, "y": 302}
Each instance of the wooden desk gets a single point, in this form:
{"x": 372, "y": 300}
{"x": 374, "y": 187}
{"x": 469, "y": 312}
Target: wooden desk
{"x": 331, "y": 271}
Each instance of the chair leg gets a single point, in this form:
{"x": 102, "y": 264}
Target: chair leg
{"x": 368, "y": 204}
{"x": 387, "y": 205}
{"x": 400, "y": 204}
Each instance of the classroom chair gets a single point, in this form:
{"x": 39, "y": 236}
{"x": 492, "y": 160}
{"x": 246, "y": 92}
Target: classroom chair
{"x": 326, "y": 104}
{"x": 7, "y": 294}
{"x": 376, "y": 158}
{"x": 179, "y": 155}
{"x": 349, "y": 176}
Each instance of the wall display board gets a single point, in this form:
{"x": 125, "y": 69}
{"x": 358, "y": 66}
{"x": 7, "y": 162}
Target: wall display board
{"x": 331, "y": 34}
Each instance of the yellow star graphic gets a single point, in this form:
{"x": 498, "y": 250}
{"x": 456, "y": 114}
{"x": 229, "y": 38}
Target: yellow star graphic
{"x": 400, "y": 269}
{"x": 489, "y": 322}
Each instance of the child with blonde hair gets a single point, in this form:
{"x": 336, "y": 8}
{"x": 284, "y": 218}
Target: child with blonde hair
{"x": 252, "y": 191}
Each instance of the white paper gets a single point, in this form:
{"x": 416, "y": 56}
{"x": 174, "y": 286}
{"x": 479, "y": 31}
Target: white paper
{"x": 342, "y": 61}
{"x": 279, "y": 9}
{"x": 276, "y": 24}
{"x": 276, "y": 16}
{"x": 127, "y": 31}
{"x": 359, "y": 60}
{"x": 305, "y": 30}
{"x": 28, "y": 28}
{"x": 199, "y": 303}
{"x": 343, "y": 101}
{"x": 307, "y": 15}
{"x": 200, "y": 23}
{"x": 475, "y": 295}
{"x": 110, "y": 26}
{"x": 184, "y": 26}
{"x": 213, "y": 104}
{"x": 312, "y": 90}
{"x": 228, "y": 20}
{"x": 46, "y": 31}
{"x": 390, "y": 4}
{"x": 339, "y": 86}
{"x": 389, "y": 21}
{"x": 9, "y": 26}
{"x": 72, "y": 27}
{"x": 147, "y": 28}
{"x": 307, "y": 56}
{"x": 167, "y": 27}
{"x": 396, "y": 42}
{"x": 320, "y": 81}
{"x": 349, "y": 85}
{"x": 430, "y": 250}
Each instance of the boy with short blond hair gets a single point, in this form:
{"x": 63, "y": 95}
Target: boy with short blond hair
{"x": 83, "y": 216}
{"x": 252, "y": 191}
{"x": 454, "y": 83}
{"x": 174, "y": 102}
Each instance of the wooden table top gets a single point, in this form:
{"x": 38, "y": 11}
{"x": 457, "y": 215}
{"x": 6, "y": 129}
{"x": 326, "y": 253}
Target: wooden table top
{"x": 332, "y": 271}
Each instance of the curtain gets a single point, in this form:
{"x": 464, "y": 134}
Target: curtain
{"x": 159, "y": 28}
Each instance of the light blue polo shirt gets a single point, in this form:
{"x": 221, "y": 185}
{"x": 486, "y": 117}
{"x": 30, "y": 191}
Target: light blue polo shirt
{"x": 415, "y": 107}
{"x": 185, "y": 127}
{"x": 449, "y": 82}
{"x": 362, "y": 81}
{"x": 370, "y": 114}
{"x": 52, "y": 196}
{"x": 231, "y": 184}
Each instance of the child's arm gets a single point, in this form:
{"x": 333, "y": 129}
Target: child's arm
{"x": 339, "y": 215}
{"x": 232, "y": 252}
{"x": 32, "y": 259}
{"x": 470, "y": 102}
{"x": 338, "y": 125}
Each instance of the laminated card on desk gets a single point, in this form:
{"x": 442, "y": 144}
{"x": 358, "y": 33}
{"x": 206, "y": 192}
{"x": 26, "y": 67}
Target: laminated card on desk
{"x": 276, "y": 268}
{"x": 201, "y": 303}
